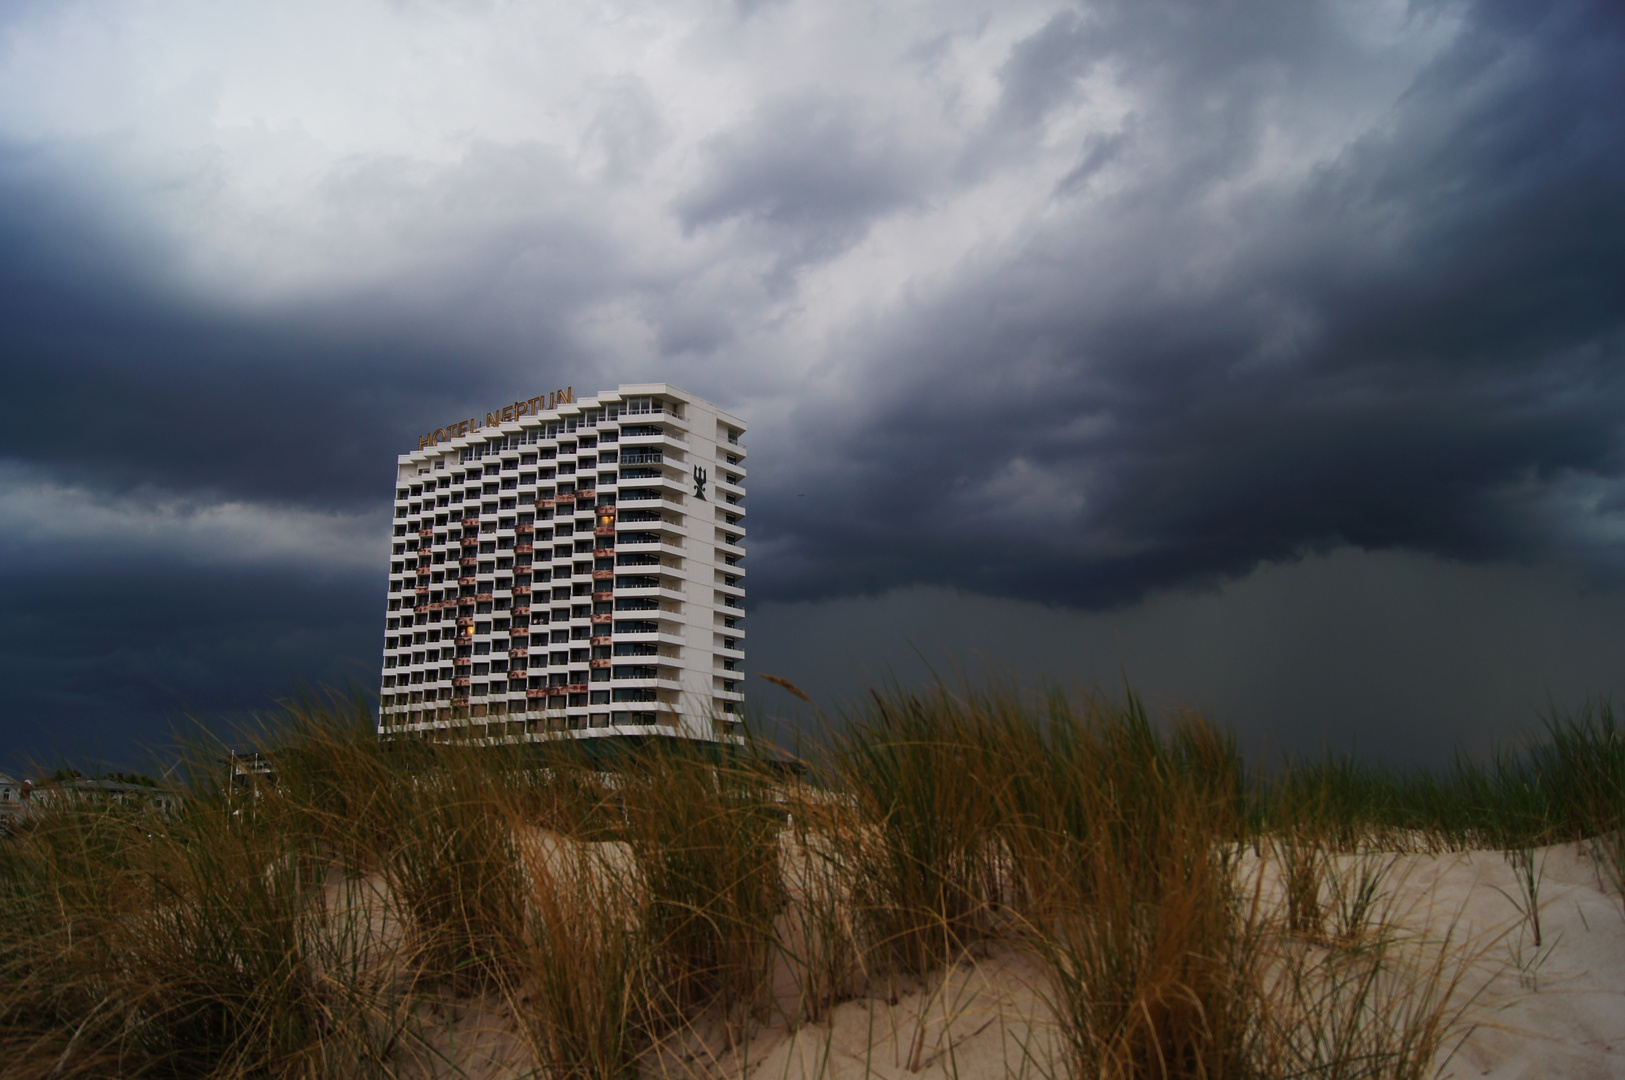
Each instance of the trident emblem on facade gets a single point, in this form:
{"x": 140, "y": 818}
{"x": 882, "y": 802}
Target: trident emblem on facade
{"x": 699, "y": 482}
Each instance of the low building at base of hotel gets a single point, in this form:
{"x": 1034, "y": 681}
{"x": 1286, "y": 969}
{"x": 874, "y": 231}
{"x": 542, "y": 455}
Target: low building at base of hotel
{"x": 15, "y": 798}
{"x": 570, "y": 566}
{"x": 20, "y": 798}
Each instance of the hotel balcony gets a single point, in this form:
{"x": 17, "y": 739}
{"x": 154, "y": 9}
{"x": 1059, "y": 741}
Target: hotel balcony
{"x": 665, "y": 637}
{"x": 667, "y": 439}
{"x": 666, "y": 590}
{"x": 667, "y": 543}
{"x": 657, "y": 683}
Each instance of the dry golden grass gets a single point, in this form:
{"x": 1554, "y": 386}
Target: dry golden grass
{"x": 1181, "y": 918}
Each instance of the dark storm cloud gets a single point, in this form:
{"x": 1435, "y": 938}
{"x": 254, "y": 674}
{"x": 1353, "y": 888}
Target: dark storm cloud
{"x": 1394, "y": 350}
{"x": 120, "y": 378}
{"x": 811, "y": 172}
{"x": 108, "y": 661}
{"x": 1397, "y": 656}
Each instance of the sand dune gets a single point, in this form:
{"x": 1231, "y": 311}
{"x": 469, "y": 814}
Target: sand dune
{"x": 1556, "y": 1012}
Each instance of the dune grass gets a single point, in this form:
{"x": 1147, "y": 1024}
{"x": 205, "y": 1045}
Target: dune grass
{"x": 304, "y": 924}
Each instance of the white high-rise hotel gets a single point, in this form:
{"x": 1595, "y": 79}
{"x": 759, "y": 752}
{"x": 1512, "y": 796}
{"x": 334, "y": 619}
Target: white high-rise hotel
{"x": 570, "y": 565}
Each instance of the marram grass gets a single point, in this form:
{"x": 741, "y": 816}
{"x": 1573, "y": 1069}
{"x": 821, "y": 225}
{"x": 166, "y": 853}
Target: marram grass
{"x": 309, "y": 925}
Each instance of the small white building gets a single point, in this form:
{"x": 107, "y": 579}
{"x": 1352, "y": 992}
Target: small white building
{"x": 570, "y": 565}
{"x": 15, "y": 797}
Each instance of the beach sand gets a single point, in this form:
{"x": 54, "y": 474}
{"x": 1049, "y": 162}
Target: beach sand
{"x": 1556, "y": 1012}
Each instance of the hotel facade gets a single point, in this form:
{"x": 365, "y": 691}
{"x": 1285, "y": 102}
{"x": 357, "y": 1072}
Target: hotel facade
{"x": 570, "y": 566}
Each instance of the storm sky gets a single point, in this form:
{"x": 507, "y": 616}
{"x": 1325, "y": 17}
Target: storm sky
{"x": 1267, "y": 353}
